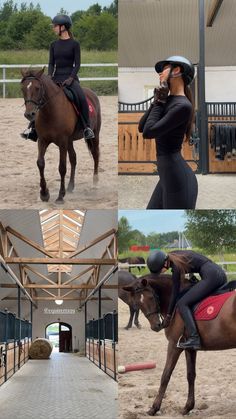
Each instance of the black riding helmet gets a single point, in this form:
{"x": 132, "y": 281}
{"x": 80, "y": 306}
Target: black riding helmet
{"x": 62, "y": 20}
{"x": 177, "y": 60}
{"x": 156, "y": 261}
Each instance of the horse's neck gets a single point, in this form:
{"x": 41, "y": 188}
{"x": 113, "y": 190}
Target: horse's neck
{"x": 163, "y": 287}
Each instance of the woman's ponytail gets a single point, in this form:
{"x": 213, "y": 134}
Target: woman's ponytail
{"x": 180, "y": 261}
{"x": 189, "y": 96}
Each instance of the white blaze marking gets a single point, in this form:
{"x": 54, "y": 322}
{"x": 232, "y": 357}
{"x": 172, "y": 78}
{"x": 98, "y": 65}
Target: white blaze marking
{"x": 142, "y": 298}
{"x": 29, "y": 85}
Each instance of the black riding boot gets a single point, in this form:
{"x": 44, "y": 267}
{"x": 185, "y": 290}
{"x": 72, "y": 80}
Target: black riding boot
{"x": 30, "y": 133}
{"x": 193, "y": 341}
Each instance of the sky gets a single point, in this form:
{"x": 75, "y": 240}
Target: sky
{"x": 160, "y": 221}
{"x": 52, "y": 7}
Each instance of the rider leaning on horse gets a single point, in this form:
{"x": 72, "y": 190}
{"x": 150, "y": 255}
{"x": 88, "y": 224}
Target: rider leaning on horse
{"x": 64, "y": 64}
{"x": 182, "y": 262}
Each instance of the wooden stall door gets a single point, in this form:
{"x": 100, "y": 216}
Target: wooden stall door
{"x": 137, "y": 155}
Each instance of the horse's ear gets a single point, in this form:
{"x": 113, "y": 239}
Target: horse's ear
{"x": 40, "y": 72}
{"x": 144, "y": 282}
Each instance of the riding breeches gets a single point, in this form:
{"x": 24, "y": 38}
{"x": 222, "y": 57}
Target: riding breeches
{"x": 82, "y": 101}
{"x": 212, "y": 277}
{"x": 177, "y": 187}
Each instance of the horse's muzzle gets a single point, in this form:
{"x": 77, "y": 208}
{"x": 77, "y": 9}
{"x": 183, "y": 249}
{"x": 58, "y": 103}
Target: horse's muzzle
{"x": 156, "y": 327}
{"x": 30, "y": 115}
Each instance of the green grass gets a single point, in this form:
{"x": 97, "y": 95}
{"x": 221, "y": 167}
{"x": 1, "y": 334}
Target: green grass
{"x": 228, "y": 257}
{"x": 31, "y": 57}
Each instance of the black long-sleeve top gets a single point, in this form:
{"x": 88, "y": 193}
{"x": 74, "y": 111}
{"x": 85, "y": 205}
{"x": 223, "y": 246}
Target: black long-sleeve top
{"x": 167, "y": 123}
{"x": 64, "y": 59}
{"x": 195, "y": 262}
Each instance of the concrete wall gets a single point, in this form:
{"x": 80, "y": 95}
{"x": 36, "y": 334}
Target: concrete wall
{"x": 137, "y": 84}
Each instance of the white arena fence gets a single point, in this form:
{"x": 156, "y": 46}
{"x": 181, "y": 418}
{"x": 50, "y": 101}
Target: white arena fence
{"x": 127, "y": 266}
{"x": 5, "y": 81}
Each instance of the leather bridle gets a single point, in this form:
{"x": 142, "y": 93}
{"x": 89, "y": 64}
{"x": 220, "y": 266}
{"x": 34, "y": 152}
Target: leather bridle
{"x": 157, "y": 302}
{"x": 42, "y": 96}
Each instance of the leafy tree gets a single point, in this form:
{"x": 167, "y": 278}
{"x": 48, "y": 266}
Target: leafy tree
{"x": 21, "y": 23}
{"x": 34, "y": 39}
{"x": 212, "y": 230}
{"x": 63, "y": 11}
{"x": 153, "y": 240}
{"x": 112, "y": 9}
{"x": 124, "y": 234}
{"x": 94, "y": 10}
{"x": 7, "y": 10}
{"x": 97, "y": 32}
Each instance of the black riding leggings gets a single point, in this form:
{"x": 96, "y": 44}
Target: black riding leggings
{"x": 212, "y": 277}
{"x": 177, "y": 187}
{"x": 82, "y": 101}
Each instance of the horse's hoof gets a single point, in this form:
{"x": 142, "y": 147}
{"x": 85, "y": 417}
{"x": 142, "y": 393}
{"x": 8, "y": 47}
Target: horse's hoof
{"x": 138, "y": 326}
{"x": 187, "y": 409}
{"x": 152, "y": 411}
{"x": 45, "y": 197}
{"x": 95, "y": 179}
{"x": 60, "y": 201}
{"x": 70, "y": 188}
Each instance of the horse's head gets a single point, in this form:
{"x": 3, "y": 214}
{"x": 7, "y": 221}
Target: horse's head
{"x": 33, "y": 91}
{"x": 145, "y": 298}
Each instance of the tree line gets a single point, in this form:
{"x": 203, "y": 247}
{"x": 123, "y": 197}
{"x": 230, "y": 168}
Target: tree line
{"x": 27, "y": 27}
{"x": 212, "y": 231}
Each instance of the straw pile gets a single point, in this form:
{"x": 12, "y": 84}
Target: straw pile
{"x": 40, "y": 349}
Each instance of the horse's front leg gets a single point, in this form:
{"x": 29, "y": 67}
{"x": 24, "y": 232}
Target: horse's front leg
{"x": 44, "y": 192}
{"x": 131, "y": 315}
{"x": 173, "y": 354}
{"x": 72, "y": 158}
{"x": 62, "y": 171}
{"x": 191, "y": 375}
{"x": 136, "y": 321}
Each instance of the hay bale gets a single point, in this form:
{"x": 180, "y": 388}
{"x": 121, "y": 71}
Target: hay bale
{"x": 40, "y": 349}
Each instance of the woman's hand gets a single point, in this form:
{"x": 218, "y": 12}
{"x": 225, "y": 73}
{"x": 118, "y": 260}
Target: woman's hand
{"x": 68, "y": 81}
{"x": 161, "y": 93}
{"x": 166, "y": 321}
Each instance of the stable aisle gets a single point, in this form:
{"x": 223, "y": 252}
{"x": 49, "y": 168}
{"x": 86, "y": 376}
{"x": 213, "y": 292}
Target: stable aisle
{"x": 65, "y": 386}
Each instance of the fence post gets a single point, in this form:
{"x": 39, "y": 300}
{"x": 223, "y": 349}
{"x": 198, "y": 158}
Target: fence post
{"x": 6, "y": 335}
{"x": 4, "y": 84}
{"x": 114, "y": 340}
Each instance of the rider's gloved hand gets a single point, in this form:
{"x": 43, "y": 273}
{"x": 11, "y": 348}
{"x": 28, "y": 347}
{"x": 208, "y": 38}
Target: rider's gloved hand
{"x": 166, "y": 321}
{"x": 68, "y": 81}
{"x": 161, "y": 93}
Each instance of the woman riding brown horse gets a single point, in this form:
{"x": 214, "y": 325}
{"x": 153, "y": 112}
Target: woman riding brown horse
{"x": 152, "y": 294}
{"x": 64, "y": 64}
{"x": 56, "y": 122}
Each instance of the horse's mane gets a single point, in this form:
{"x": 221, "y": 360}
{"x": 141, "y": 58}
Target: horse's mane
{"x": 161, "y": 281}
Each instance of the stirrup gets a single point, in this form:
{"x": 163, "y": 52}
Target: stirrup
{"x": 88, "y": 134}
{"x": 193, "y": 342}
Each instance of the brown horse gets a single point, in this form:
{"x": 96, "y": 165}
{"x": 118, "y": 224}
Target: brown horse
{"x": 57, "y": 122}
{"x": 124, "y": 279}
{"x": 133, "y": 260}
{"x": 152, "y": 295}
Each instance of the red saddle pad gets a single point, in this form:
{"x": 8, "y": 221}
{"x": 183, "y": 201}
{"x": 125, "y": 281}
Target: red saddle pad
{"x": 90, "y": 105}
{"x": 210, "y": 307}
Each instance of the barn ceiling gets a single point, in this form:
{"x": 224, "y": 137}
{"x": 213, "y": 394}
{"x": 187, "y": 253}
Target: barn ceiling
{"x": 84, "y": 241}
{"x": 150, "y": 30}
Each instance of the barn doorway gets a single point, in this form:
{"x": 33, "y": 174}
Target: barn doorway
{"x": 60, "y": 335}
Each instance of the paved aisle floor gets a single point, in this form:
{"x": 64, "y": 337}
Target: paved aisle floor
{"x": 63, "y": 387}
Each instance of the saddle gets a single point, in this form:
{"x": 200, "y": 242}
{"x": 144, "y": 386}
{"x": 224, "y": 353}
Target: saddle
{"x": 73, "y": 98}
{"x": 209, "y": 307}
